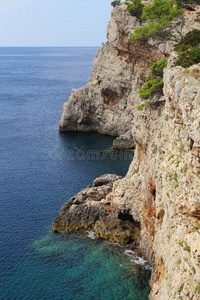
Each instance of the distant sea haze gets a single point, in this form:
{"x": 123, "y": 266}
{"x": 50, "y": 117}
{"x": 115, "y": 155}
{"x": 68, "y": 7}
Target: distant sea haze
{"x": 37, "y": 177}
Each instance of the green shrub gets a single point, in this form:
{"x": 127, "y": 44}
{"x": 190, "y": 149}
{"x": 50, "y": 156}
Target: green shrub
{"x": 197, "y": 225}
{"x": 181, "y": 148}
{"x": 191, "y": 39}
{"x": 135, "y": 8}
{"x": 184, "y": 168}
{"x": 155, "y": 81}
{"x": 186, "y": 248}
{"x": 198, "y": 289}
{"x": 179, "y": 261}
{"x": 151, "y": 86}
{"x": 188, "y": 49}
{"x": 176, "y": 185}
{"x": 141, "y": 106}
{"x": 198, "y": 18}
{"x": 159, "y": 16}
{"x": 173, "y": 176}
{"x": 194, "y": 55}
{"x": 184, "y": 3}
{"x": 157, "y": 68}
{"x": 116, "y": 3}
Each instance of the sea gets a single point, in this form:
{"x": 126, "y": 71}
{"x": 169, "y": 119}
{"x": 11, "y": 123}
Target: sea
{"x": 40, "y": 169}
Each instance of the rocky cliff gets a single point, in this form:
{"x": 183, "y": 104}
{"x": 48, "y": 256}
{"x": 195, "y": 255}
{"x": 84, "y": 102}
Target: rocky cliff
{"x": 157, "y": 204}
{"x": 107, "y": 103}
{"x": 163, "y": 185}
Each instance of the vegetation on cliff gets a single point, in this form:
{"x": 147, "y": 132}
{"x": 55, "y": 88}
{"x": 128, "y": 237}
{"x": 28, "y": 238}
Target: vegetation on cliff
{"x": 135, "y": 8}
{"x": 155, "y": 81}
{"x": 164, "y": 21}
{"x": 188, "y": 49}
{"x": 185, "y": 3}
{"x": 116, "y": 3}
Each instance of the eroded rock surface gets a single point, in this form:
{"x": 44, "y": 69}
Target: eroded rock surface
{"x": 162, "y": 187}
{"x": 107, "y": 103}
{"x": 92, "y": 209}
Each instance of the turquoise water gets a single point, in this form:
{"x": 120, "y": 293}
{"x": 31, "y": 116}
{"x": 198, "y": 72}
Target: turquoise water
{"x": 40, "y": 169}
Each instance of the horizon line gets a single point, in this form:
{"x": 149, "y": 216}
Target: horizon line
{"x": 50, "y": 46}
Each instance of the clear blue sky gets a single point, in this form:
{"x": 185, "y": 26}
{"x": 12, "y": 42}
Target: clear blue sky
{"x": 53, "y": 22}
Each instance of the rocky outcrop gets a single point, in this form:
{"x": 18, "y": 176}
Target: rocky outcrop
{"x": 91, "y": 209}
{"x": 123, "y": 142}
{"x": 102, "y": 105}
{"x": 107, "y": 103}
{"x": 160, "y": 195}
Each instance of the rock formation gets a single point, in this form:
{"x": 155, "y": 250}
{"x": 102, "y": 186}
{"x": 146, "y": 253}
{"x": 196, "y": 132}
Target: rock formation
{"x": 91, "y": 209}
{"x": 107, "y": 103}
{"x": 163, "y": 185}
{"x": 161, "y": 192}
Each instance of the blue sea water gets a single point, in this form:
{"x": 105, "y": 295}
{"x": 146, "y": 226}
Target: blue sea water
{"x": 40, "y": 169}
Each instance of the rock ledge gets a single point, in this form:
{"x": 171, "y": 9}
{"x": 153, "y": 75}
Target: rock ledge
{"x": 92, "y": 209}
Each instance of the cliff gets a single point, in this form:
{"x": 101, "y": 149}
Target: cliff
{"x": 157, "y": 204}
{"x": 107, "y": 103}
{"x": 163, "y": 184}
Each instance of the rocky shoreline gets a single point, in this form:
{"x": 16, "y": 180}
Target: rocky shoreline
{"x": 157, "y": 204}
{"x": 92, "y": 209}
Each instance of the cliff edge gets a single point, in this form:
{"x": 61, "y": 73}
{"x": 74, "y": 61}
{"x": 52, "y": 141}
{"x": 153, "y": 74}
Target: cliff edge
{"x": 157, "y": 204}
{"x": 107, "y": 103}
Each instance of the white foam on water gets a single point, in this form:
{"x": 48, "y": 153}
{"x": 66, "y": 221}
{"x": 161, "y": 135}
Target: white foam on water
{"x": 91, "y": 234}
{"x": 129, "y": 252}
{"x": 138, "y": 260}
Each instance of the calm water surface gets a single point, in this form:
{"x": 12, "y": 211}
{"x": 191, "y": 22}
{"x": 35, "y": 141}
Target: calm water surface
{"x": 39, "y": 171}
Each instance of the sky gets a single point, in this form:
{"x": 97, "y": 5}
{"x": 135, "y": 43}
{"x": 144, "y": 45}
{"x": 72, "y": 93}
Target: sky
{"x": 49, "y": 23}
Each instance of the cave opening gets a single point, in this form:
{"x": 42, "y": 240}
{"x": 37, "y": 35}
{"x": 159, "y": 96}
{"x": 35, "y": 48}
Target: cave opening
{"x": 127, "y": 217}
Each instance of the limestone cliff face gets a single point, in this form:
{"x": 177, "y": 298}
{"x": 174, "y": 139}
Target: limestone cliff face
{"x": 108, "y": 101}
{"x": 160, "y": 195}
{"x": 162, "y": 187}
